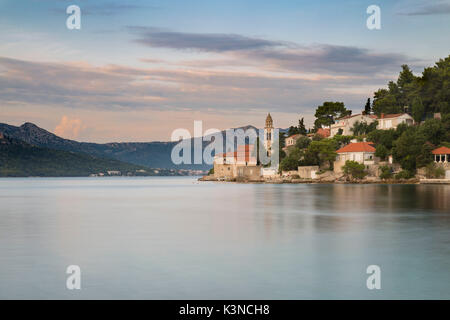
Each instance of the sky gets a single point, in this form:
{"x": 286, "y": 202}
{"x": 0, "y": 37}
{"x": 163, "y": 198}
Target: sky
{"x": 137, "y": 70}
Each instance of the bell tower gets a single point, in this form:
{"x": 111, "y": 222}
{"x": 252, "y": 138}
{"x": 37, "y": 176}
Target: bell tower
{"x": 268, "y": 135}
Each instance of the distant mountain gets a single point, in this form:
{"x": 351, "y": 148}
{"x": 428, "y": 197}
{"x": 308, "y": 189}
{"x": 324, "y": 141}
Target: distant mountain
{"x": 149, "y": 154}
{"x": 20, "y": 159}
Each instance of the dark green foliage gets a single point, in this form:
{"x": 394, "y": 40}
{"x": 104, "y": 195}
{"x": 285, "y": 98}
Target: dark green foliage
{"x": 291, "y": 162}
{"x": 322, "y": 151}
{"x": 382, "y": 152}
{"x": 328, "y": 112}
{"x": 301, "y": 127}
{"x": 425, "y": 95}
{"x": 385, "y": 172}
{"x": 417, "y": 110}
{"x": 384, "y": 137}
{"x": 367, "y": 107}
{"x": 292, "y": 130}
{"x": 354, "y": 169}
{"x": 362, "y": 128}
{"x": 404, "y": 175}
{"x": 302, "y": 142}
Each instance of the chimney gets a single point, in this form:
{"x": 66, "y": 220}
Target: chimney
{"x": 382, "y": 116}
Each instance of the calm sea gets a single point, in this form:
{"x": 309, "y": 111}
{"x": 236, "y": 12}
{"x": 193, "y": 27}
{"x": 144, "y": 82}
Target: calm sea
{"x": 176, "y": 238}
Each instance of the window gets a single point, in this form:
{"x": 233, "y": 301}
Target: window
{"x": 388, "y": 123}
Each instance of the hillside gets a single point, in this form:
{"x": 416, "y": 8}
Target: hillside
{"x": 148, "y": 154}
{"x": 20, "y": 159}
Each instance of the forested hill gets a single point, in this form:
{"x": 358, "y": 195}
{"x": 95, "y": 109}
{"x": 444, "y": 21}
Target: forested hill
{"x": 20, "y": 159}
{"x": 148, "y": 154}
{"x": 425, "y": 95}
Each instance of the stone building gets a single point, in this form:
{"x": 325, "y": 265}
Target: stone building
{"x": 361, "y": 152}
{"x": 268, "y": 135}
{"x": 391, "y": 121}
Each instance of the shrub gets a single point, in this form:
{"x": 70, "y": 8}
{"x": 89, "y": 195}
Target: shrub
{"x": 211, "y": 171}
{"x": 404, "y": 174}
{"x": 354, "y": 169}
{"x": 381, "y": 152}
{"x": 432, "y": 171}
{"x": 386, "y": 172}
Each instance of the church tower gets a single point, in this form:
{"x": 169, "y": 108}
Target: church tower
{"x": 268, "y": 135}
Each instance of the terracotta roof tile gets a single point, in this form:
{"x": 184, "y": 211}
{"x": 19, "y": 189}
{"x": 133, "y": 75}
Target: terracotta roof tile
{"x": 441, "y": 150}
{"x": 357, "y": 147}
{"x": 323, "y": 132}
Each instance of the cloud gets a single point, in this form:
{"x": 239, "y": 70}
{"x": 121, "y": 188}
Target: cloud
{"x": 121, "y": 88}
{"x": 330, "y": 59}
{"x": 210, "y": 42}
{"x": 438, "y": 8}
{"x": 274, "y": 55}
{"x": 69, "y": 128}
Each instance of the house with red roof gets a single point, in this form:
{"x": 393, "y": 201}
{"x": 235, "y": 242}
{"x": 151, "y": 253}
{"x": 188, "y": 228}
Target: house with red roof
{"x": 391, "y": 121}
{"x": 242, "y": 162}
{"x": 291, "y": 140}
{"x": 362, "y": 152}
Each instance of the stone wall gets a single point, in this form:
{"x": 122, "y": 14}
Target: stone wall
{"x": 249, "y": 172}
{"x": 308, "y": 172}
{"x": 226, "y": 171}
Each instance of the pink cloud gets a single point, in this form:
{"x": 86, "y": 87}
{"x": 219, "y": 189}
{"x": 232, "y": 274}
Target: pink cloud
{"x": 69, "y": 128}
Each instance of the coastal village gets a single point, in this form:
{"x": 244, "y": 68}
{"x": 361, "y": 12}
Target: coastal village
{"x": 355, "y": 161}
{"x": 401, "y": 136}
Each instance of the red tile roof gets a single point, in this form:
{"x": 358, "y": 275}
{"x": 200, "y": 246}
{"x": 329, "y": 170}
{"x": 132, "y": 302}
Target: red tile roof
{"x": 441, "y": 150}
{"x": 323, "y": 132}
{"x": 243, "y": 152}
{"x": 357, "y": 147}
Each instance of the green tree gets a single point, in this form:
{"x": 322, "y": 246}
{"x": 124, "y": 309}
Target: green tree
{"x": 302, "y": 142}
{"x": 367, "y": 107}
{"x": 292, "y": 130}
{"x": 382, "y": 152}
{"x": 324, "y": 150}
{"x": 417, "y": 110}
{"x": 291, "y": 162}
{"x": 301, "y": 127}
{"x": 354, "y": 170}
{"x": 385, "y": 172}
{"x": 328, "y": 112}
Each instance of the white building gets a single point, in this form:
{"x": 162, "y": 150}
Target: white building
{"x": 346, "y": 123}
{"x": 361, "y": 152}
{"x": 391, "y": 121}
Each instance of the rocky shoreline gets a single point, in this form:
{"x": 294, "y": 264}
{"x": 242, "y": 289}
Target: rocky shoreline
{"x": 314, "y": 181}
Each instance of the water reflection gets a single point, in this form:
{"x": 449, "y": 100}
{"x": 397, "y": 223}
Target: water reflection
{"x": 173, "y": 238}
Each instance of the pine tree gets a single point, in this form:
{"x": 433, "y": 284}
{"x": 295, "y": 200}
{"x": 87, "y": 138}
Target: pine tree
{"x": 301, "y": 127}
{"x": 367, "y": 108}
